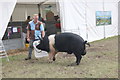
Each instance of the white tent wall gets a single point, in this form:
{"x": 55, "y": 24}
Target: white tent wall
{"x": 119, "y": 18}
{"x": 73, "y": 16}
{"x": 112, "y": 30}
{"x": 79, "y": 16}
{"x": 93, "y": 32}
{"x": 6, "y": 8}
{"x": 100, "y": 32}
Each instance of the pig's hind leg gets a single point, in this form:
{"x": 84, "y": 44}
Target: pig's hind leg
{"x": 78, "y": 58}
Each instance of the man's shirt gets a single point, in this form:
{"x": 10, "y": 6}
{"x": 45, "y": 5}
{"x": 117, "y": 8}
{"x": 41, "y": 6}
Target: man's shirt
{"x": 35, "y": 29}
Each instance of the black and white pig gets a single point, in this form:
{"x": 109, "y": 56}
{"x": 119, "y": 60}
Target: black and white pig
{"x": 63, "y": 42}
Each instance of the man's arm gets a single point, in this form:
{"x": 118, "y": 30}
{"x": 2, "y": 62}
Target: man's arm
{"x": 42, "y": 30}
{"x": 42, "y": 34}
{"x": 28, "y": 32}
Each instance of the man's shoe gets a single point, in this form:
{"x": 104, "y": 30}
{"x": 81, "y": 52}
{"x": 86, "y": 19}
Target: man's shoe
{"x": 28, "y": 58}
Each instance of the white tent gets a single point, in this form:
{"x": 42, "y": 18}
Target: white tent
{"x": 6, "y": 9}
{"x": 77, "y": 16}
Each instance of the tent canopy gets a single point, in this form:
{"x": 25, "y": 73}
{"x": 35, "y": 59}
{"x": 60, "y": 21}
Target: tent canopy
{"x": 78, "y": 16}
{"x": 36, "y": 1}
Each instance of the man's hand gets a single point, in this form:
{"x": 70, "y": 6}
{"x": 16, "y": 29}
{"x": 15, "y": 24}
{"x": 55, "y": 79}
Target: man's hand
{"x": 28, "y": 39}
{"x": 43, "y": 34}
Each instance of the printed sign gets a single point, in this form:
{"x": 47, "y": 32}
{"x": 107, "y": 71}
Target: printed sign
{"x": 103, "y": 18}
{"x": 15, "y": 29}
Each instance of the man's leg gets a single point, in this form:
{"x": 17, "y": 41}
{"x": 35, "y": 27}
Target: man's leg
{"x": 30, "y": 50}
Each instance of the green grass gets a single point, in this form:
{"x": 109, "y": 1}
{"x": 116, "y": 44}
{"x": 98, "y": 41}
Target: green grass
{"x": 105, "y": 39}
{"x": 101, "y": 61}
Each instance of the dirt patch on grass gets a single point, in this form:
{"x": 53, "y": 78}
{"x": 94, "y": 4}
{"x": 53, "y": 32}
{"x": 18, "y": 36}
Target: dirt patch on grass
{"x": 101, "y": 61}
{"x": 16, "y": 51}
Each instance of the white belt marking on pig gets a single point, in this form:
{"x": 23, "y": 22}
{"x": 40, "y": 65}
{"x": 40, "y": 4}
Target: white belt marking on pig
{"x": 51, "y": 42}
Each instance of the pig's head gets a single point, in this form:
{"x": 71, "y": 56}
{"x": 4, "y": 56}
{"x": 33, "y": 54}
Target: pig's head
{"x": 42, "y": 44}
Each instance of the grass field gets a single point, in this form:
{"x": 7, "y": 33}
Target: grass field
{"x": 101, "y": 61}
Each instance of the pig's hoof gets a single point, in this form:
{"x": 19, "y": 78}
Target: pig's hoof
{"x": 77, "y": 63}
{"x": 54, "y": 59}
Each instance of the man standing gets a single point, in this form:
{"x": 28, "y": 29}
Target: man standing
{"x": 35, "y": 28}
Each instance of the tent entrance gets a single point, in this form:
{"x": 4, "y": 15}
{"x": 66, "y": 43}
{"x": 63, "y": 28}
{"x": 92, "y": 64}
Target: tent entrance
{"x": 52, "y": 24}
{"x": 49, "y": 12}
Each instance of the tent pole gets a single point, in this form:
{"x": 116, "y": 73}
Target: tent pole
{"x": 104, "y": 17}
{"x": 38, "y": 8}
{"x": 26, "y": 13}
{"x": 39, "y": 5}
{"x": 86, "y": 20}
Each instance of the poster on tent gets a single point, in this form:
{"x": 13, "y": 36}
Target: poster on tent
{"x": 12, "y": 32}
{"x": 103, "y": 18}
